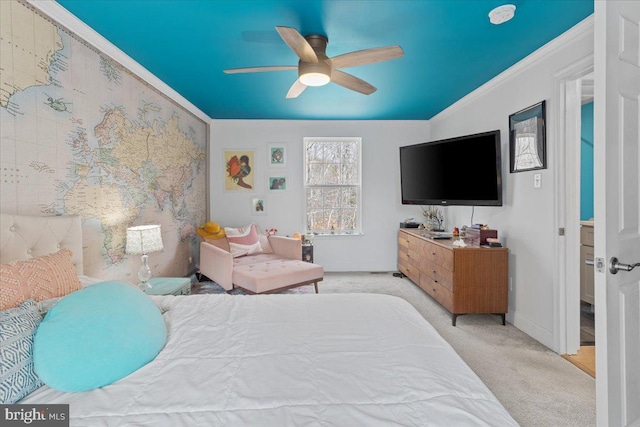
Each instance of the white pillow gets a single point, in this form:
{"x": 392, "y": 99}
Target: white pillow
{"x": 243, "y": 241}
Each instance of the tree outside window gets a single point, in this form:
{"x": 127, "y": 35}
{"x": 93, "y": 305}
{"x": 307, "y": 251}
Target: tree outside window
{"x": 333, "y": 185}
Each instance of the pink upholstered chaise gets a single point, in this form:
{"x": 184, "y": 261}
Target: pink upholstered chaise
{"x": 278, "y": 269}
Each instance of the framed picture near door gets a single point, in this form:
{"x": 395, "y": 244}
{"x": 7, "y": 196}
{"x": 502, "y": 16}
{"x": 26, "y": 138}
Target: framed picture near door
{"x": 527, "y": 139}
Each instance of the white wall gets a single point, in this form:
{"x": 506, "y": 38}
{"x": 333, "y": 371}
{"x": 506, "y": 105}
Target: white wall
{"x": 376, "y": 249}
{"x": 527, "y": 222}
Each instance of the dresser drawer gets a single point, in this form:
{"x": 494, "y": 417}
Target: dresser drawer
{"x": 403, "y": 254}
{"x": 408, "y": 270}
{"x": 403, "y": 241}
{"x": 414, "y": 257}
{"x": 437, "y": 255}
{"x": 438, "y": 274}
{"x": 407, "y": 262}
{"x": 437, "y": 291}
{"x": 413, "y": 242}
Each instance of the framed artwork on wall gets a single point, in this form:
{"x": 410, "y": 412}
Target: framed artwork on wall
{"x": 527, "y": 139}
{"x": 258, "y": 205}
{"x": 277, "y": 182}
{"x": 277, "y": 155}
{"x": 239, "y": 170}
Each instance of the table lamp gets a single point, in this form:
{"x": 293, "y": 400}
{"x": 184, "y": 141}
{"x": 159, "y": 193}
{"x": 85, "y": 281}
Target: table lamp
{"x": 144, "y": 239}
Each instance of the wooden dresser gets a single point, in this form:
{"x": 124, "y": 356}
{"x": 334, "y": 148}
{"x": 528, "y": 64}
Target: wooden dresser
{"x": 464, "y": 280}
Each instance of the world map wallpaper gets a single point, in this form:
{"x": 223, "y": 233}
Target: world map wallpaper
{"x": 82, "y": 135}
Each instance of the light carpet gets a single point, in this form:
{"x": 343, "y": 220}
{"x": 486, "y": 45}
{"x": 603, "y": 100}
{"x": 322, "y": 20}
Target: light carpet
{"x": 536, "y": 385}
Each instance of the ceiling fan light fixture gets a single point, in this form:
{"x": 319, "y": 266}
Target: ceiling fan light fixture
{"x": 502, "y": 14}
{"x": 316, "y": 69}
{"x": 315, "y": 79}
{"x": 314, "y": 74}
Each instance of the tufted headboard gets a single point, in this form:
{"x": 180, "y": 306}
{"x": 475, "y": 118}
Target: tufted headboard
{"x": 24, "y": 237}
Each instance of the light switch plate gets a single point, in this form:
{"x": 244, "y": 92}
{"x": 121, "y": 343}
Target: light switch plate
{"x": 537, "y": 180}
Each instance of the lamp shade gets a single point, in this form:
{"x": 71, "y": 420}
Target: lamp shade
{"x": 144, "y": 239}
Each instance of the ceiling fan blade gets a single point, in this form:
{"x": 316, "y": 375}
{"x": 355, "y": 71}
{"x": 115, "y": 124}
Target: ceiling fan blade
{"x": 366, "y": 56}
{"x": 352, "y": 82}
{"x": 296, "y": 89}
{"x": 298, "y": 44}
{"x": 260, "y": 69}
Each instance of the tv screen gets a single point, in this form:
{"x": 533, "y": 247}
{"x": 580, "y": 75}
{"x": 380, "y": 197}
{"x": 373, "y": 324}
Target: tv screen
{"x": 466, "y": 170}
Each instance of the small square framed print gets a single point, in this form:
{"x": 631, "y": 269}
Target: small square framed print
{"x": 258, "y": 205}
{"x": 277, "y": 155}
{"x": 277, "y": 182}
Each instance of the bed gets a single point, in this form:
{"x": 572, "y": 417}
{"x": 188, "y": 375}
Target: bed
{"x": 288, "y": 360}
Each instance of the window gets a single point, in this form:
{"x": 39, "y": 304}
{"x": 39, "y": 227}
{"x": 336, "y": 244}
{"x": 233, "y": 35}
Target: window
{"x": 332, "y": 183}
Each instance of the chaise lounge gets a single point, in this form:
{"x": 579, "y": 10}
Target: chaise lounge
{"x": 258, "y": 264}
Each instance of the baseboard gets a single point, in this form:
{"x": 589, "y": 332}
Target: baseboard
{"x": 535, "y": 331}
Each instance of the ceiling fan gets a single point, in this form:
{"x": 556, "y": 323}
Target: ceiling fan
{"x": 316, "y": 69}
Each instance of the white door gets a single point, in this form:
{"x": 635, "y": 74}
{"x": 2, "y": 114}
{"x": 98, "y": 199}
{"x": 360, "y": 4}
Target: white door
{"x": 617, "y": 210}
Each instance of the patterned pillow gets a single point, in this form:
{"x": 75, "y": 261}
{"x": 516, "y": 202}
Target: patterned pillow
{"x": 243, "y": 241}
{"x": 17, "y": 329}
{"x": 39, "y": 278}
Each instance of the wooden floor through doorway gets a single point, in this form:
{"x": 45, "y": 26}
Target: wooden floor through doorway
{"x": 585, "y": 359}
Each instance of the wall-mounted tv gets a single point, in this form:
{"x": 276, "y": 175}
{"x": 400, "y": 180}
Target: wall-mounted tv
{"x": 465, "y": 170}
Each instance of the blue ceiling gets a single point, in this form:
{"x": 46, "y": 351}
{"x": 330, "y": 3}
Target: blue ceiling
{"x": 450, "y": 49}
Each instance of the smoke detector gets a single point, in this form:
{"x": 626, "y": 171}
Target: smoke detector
{"x": 502, "y": 14}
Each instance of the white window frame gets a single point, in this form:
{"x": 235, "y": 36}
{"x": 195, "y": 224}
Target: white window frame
{"x": 358, "y": 186}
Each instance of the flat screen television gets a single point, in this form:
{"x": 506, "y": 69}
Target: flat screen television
{"x": 463, "y": 171}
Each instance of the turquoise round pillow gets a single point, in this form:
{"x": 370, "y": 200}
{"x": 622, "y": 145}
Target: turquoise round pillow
{"x": 96, "y": 336}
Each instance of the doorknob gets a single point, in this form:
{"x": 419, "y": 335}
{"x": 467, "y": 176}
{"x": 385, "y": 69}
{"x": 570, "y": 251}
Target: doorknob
{"x": 615, "y": 266}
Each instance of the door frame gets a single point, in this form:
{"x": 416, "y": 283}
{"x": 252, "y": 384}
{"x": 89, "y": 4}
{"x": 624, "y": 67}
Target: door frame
{"x": 568, "y": 95}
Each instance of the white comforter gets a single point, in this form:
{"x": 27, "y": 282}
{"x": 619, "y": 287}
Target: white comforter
{"x": 292, "y": 360}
